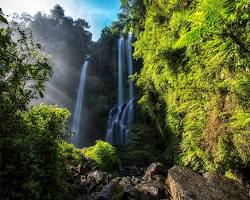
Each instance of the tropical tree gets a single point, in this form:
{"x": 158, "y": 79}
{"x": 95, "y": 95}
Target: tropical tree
{"x": 31, "y": 165}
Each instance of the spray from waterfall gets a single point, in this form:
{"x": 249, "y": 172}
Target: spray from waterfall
{"x": 77, "y": 121}
{"x": 122, "y": 115}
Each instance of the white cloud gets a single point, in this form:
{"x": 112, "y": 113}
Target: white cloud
{"x": 73, "y": 8}
{"x": 29, "y": 6}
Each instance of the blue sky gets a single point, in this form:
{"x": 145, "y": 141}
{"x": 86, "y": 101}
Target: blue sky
{"x": 99, "y": 13}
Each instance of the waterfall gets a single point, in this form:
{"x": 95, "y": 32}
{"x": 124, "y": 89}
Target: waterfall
{"x": 122, "y": 115}
{"x": 121, "y": 64}
{"x": 131, "y": 84}
{"x": 78, "y": 106}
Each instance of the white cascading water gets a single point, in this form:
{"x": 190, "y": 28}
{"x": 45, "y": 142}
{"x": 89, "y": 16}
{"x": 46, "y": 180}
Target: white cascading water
{"x": 131, "y": 84}
{"x": 121, "y": 65}
{"x": 122, "y": 115}
{"x": 78, "y": 107}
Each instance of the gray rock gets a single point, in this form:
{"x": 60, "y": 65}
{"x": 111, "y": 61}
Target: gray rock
{"x": 158, "y": 178}
{"x": 81, "y": 169}
{"x": 125, "y": 181}
{"x": 130, "y": 193}
{"x": 135, "y": 180}
{"x": 73, "y": 170}
{"x": 98, "y": 176}
{"x": 226, "y": 185}
{"x": 156, "y": 168}
{"x": 112, "y": 191}
{"x": 91, "y": 187}
{"x": 84, "y": 182}
{"x": 152, "y": 190}
{"x": 146, "y": 178}
{"x": 184, "y": 184}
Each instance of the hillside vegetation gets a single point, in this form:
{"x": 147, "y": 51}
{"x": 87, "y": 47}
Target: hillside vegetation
{"x": 195, "y": 79}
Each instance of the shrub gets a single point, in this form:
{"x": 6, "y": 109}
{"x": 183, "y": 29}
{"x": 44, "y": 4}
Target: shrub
{"x": 104, "y": 155}
{"x": 70, "y": 153}
{"x": 42, "y": 167}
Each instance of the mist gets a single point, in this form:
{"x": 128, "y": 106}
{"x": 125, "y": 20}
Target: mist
{"x": 67, "y": 42}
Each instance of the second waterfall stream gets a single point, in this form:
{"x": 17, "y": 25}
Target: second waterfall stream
{"x": 122, "y": 115}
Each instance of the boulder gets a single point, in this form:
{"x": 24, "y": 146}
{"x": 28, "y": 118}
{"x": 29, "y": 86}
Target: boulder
{"x": 146, "y": 178}
{"x": 125, "y": 181}
{"x": 226, "y": 185}
{"x": 184, "y": 184}
{"x": 91, "y": 188}
{"x": 98, "y": 176}
{"x": 130, "y": 193}
{"x": 152, "y": 190}
{"x": 84, "y": 185}
{"x": 135, "y": 180}
{"x": 112, "y": 191}
{"x": 82, "y": 169}
{"x": 158, "y": 178}
{"x": 73, "y": 170}
{"x": 156, "y": 168}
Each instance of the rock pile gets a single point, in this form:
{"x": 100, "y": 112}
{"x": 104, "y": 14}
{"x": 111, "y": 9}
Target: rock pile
{"x": 177, "y": 183}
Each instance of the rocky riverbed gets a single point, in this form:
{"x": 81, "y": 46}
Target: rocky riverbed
{"x": 176, "y": 183}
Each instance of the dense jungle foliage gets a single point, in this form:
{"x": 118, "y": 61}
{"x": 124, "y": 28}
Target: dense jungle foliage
{"x": 33, "y": 151}
{"x": 196, "y": 81}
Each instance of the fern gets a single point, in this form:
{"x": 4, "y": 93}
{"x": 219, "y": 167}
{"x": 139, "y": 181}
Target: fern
{"x": 197, "y": 65}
